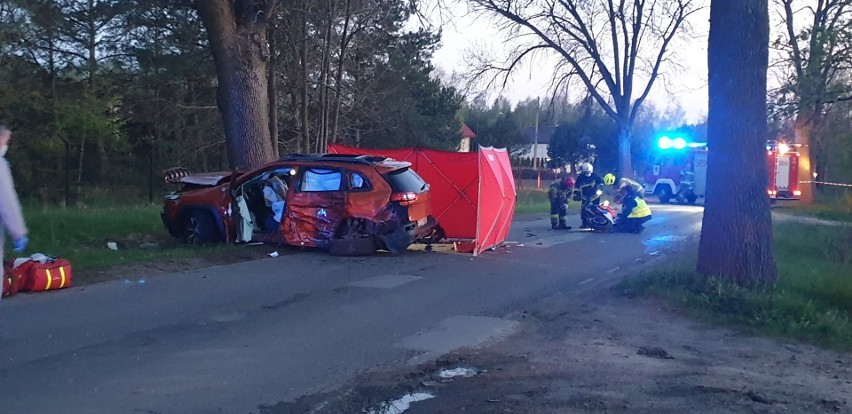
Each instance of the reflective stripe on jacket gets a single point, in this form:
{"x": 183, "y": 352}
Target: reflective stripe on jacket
{"x": 641, "y": 210}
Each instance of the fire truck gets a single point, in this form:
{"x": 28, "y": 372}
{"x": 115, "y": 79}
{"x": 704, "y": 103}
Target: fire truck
{"x": 783, "y": 171}
{"x": 663, "y": 177}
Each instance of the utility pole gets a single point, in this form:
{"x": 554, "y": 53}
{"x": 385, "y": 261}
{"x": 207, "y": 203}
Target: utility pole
{"x": 535, "y": 145}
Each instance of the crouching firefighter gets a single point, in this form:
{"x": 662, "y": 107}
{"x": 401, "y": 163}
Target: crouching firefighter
{"x": 559, "y": 194}
{"x": 589, "y": 190}
{"x": 634, "y": 209}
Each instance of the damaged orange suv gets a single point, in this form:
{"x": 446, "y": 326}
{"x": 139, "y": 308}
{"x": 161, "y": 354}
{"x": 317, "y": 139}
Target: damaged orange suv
{"x": 350, "y": 205}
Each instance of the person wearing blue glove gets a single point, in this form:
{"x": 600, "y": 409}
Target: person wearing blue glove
{"x": 11, "y": 218}
{"x": 21, "y": 244}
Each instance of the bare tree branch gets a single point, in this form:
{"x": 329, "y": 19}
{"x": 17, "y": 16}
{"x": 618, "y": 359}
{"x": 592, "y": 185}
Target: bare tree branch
{"x": 601, "y": 44}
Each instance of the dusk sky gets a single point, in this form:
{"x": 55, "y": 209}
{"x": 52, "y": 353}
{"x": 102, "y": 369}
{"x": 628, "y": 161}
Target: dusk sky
{"x": 687, "y": 85}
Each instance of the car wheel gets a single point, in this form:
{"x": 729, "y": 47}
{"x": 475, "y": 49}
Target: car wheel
{"x": 354, "y": 238}
{"x": 692, "y": 199}
{"x": 664, "y": 193}
{"x": 200, "y": 228}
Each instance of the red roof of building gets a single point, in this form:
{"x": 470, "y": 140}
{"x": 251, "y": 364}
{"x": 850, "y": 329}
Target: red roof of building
{"x": 466, "y": 132}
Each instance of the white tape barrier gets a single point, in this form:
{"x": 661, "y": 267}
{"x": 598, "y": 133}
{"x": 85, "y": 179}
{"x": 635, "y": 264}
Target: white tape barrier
{"x": 825, "y": 183}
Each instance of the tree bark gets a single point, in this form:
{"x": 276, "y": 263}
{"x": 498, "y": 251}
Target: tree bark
{"x": 322, "y": 140}
{"x": 338, "y": 80}
{"x": 803, "y": 128}
{"x": 80, "y": 163}
{"x": 305, "y": 141}
{"x": 736, "y": 238}
{"x": 625, "y": 160}
{"x": 273, "y": 97}
{"x": 237, "y": 34}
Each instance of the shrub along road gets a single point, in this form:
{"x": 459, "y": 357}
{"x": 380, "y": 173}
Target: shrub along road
{"x": 310, "y": 331}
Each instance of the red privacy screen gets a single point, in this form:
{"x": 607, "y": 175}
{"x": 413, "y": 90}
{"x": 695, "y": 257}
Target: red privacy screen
{"x": 473, "y": 193}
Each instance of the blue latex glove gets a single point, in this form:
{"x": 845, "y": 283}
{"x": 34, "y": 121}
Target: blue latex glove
{"x": 21, "y": 244}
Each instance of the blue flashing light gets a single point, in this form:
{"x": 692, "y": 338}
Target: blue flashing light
{"x": 679, "y": 143}
{"x": 664, "y": 142}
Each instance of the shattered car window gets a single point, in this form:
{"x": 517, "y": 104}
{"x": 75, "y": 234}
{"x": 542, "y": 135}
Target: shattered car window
{"x": 318, "y": 180}
{"x": 406, "y": 180}
{"x": 358, "y": 182}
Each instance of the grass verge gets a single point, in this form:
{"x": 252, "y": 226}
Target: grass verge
{"x": 833, "y": 205}
{"x": 532, "y": 201}
{"x": 812, "y": 300}
{"x": 537, "y": 202}
{"x": 81, "y": 236}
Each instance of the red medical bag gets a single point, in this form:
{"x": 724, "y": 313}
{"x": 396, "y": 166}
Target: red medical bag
{"x": 51, "y": 275}
{"x": 13, "y": 279}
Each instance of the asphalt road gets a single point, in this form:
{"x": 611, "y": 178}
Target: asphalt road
{"x": 233, "y": 339}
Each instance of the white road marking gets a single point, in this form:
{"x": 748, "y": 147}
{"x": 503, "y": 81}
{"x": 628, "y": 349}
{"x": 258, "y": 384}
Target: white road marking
{"x": 586, "y": 281}
{"x": 613, "y": 269}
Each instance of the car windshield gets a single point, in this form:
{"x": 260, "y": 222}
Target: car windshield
{"x": 405, "y": 180}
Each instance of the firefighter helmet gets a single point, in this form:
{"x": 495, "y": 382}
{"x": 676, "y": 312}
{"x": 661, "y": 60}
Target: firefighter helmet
{"x": 609, "y": 179}
{"x": 587, "y": 169}
{"x": 568, "y": 182}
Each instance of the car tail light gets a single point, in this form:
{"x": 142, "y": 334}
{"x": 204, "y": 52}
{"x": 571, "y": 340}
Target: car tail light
{"x": 797, "y": 193}
{"x": 772, "y": 193}
{"x": 404, "y": 197}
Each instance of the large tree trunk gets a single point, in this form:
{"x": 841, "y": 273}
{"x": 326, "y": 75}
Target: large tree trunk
{"x": 625, "y": 161}
{"x": 803, "y": 128}
{"x": 237, "y": 34}
{"x": 736, "y": 238}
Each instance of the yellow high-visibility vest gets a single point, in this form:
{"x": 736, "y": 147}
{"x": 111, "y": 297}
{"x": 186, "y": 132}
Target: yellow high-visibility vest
{"x": 641, "y": 209}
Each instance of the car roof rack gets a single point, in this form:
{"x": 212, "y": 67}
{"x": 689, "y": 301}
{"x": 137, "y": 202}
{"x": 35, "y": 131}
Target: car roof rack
{"x": 344, "y": 158}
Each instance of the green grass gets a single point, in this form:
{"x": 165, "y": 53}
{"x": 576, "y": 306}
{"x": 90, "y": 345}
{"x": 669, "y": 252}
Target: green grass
{"x": 811, "y": 301}
{"x": 80, "y": 235}
{"x": 532, "y": 201}
{"x": 537, "y": 202}
{"x": 831, "y": 205}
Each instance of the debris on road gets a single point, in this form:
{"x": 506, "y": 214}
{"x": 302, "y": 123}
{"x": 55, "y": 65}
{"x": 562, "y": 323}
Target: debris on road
{"x": 654, "y": 352}
{"x": 400, "y": 405}
{"x": 457, "y": 372}
{"x": 757, "y": 397}
{"x": 273, "y": 254}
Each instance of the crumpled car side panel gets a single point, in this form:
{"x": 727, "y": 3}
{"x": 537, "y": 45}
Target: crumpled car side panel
{"x": 312, "y": 218}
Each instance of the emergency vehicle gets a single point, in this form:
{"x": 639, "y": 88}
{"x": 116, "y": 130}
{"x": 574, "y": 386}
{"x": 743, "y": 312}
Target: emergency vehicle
{"x": 783, "y": 171}
{"x": 663, "y": 177}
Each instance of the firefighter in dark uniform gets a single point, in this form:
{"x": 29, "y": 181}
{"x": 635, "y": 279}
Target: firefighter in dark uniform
{"x": 634, "y": 209}
{"x": 588, "y": 191}
{"x": 559, "y": 194}
{"x": 687, "y": 175}
{"x": 635, "y": 188}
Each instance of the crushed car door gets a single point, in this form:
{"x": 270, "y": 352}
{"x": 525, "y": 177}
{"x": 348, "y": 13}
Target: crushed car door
{"x": 260, "y": 203}
{"x": 316, "y": 207}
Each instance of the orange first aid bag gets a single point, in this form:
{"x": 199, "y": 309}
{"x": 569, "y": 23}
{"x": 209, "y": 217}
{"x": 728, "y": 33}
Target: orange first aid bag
{"x": 53, "y": 274}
